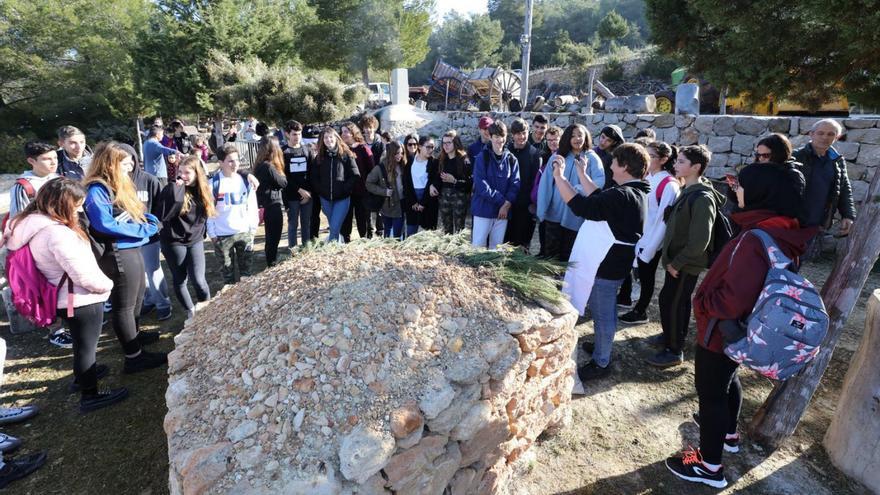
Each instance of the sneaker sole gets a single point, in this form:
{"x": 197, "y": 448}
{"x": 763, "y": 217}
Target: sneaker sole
{"x": 630, "y": 323}
{"x": 722, "y": 483}
{"x": 61, "y": 346}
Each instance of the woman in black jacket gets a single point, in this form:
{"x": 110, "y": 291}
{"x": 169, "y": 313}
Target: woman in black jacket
{"x": 334, "y": 177}
{"x": 186, "y": 205}
{"x": 421, "y": 187}
{"x": 456, "y": 180}
{"x": 270, "y": 193}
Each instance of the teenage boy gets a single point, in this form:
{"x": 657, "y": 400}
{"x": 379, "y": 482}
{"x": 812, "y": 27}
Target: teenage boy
{"x": 685, "y": 251}
{"x": 521, "y": 225}
{"x": 539, "y": 128}
{"x": 155, "y": 155}
{"x": 43, "y": 160}
{"x": 232, "y": 230}
{"x": 610, "y": 137}
{"x": 603, "y": 253}
{"x": 298, "y": 160}
{"x": 74, "y": 156}
{"x": 496, "y": 186}
{"x": 477, "y": 146}
{"x": 369, "y": 125}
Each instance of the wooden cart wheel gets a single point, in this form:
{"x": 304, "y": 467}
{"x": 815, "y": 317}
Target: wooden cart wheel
{"x": 505, "y": 87}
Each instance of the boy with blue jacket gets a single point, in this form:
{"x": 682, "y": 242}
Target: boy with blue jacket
{"x": 496, "y": 185}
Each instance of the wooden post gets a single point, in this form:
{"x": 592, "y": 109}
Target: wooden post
{"x": 851, "y": 440}
{"x": 778, "y": 417}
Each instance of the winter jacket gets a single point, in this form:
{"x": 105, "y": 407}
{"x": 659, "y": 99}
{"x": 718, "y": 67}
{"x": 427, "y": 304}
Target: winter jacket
{"x": 272, "y": 185}
{"x": 180, "y": 229}
{"x": 74, "y": 169}
{"x": 606, "y": 158}
{"x": 409, "y": 190}
{"x": 298, "y": 163}
{"x": 495, "y": 181}
{"x": 624, "y": 207}
{"x": 182, "y": 143}
{"x": 18, "y": 197}
{"x": 550, "y": 206}
{"x": 377, "y": 148}
{"x": 731, "y": 287}
{"x": 462, "y": 169}
{"x": 57, "y": 250}
{"x": 148, "y": 191}
{"x": 655, "y": 227}
{"x": 529, "y": 160}
{"x": 689, "y": 228}
{"x": 377, "y": 185}
{"x": 334, "y": 176}
{"x": 839, "y": 194}
{"x": 364, "y": 160}
{"x": 109, "y": 223}
{"x": 476, "y": 148}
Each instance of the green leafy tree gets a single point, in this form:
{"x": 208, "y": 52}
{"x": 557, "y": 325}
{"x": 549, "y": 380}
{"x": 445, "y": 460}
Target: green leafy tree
{"x": 804, "y": 51}
{"x": 613, "y": 27}
{"x": 511, "y": 14}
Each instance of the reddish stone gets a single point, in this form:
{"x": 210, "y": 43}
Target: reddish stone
{"x": 304, "y": 384}
{"x": 406, "y": 420}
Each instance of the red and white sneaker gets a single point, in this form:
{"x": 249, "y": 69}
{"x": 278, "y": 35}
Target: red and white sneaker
{"x": 689, "y": 466}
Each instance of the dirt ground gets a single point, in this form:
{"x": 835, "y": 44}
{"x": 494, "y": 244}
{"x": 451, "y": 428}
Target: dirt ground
{"x": 621, "y": 432}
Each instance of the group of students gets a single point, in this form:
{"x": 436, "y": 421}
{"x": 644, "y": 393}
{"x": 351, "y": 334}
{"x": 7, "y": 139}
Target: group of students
{"x": 100, "y": 220}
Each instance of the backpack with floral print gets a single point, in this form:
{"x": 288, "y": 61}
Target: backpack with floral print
{"x": 788, "y": 323}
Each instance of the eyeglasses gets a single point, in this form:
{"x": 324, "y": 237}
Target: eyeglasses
{"x": 762, "y": 156}
{"x": 429, "y": 146}
{"x": 450, "y": 143}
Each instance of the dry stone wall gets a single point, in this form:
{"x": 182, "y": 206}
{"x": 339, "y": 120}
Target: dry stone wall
{"x": 368, "y": 371}
{"x": 731, "y": 138}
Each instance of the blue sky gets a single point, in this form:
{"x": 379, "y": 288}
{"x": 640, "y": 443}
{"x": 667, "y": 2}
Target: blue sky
{"x": 462, "y": 6}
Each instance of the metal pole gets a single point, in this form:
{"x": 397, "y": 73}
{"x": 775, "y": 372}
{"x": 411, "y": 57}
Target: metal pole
{"x": 526, "y": 41}
{"x": 446, "y": 102}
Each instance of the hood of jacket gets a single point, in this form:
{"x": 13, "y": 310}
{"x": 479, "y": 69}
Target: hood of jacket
{"x": 791, "y": 238}
{"x": 24, "y": 230}
{"x": 703, "y": 185}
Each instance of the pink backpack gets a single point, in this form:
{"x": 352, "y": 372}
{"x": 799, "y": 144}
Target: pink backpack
{"x": 34, "y": 296}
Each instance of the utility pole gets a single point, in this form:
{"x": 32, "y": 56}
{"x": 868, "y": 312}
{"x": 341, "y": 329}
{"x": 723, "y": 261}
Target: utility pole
{"x": 526, "y": 41}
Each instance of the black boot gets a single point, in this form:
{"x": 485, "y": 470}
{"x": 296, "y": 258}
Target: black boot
{"x": 144, "y": 361}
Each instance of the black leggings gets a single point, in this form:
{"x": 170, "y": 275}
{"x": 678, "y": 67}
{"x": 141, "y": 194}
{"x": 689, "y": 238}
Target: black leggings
{"x": 125, "y": 267}
{"x": 361, "y": 215}
{"x": 675, "y": 308}
{"x": 558, "y": 241}
{"x": 187, "y": 262}
{"x": 647, "y": 276}
{"x": 720, "y": 395}
{"x": 273, "y": 216}
{"x": 85, "y": 329}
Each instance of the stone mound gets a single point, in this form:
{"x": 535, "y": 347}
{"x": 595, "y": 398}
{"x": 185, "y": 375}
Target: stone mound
{"x": 364, "y": 371}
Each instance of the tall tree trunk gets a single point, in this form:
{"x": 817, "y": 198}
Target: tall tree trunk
{"x": 851, "y": 440}
{"x": 778, "y": 417}
{"x": 365, "y": 74}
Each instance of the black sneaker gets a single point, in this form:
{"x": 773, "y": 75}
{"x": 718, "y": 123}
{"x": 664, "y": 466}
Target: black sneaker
{"x": 592, "y": 371}
{"x": 101, "y": 370}
{"x": 163, "y": 314}
{"x": 588, "y": 346}
{"x": 666, "y": 359}
{"x": 147, "y": 337}
{"x": 144, "y": 361}
{"x": 104, "y": 398}
{"x": 633, "y": 318}
{"x": 689, "y": 466}
{"x": 21, "y": 466}
{"x": 582, "y": 319}
{"x": 62, "y": 339}
{"x": 730, "y": 444}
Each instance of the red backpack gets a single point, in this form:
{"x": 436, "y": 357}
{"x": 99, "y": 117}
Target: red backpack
{"x": 28, "y": 190}
{"x": 34, "y": 296}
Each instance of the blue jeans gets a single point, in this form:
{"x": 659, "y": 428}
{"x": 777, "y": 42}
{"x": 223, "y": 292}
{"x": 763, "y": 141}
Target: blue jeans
{"x": 335, "y": 211}
{"x": 393, "y": 227}
{"x": 157, "y": 290}
{"x": 603, "y": 307}
{"x": 299, "y": 215}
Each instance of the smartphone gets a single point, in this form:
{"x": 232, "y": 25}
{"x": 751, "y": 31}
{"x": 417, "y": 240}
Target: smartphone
{"x": 732, "y": 181}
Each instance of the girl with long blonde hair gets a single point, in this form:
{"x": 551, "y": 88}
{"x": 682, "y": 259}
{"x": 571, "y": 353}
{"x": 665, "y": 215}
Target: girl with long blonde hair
{"x": 186, "y": 205}
{"x": 118, "y": 227}
{"x": 270, "y": 193}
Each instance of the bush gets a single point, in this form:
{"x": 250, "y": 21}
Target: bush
{"x": 658, "y": 66}
{"x": 12, "y": 152}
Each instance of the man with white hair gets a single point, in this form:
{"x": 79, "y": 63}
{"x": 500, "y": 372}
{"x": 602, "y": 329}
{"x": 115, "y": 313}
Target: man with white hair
{"x": 828, "y": 188}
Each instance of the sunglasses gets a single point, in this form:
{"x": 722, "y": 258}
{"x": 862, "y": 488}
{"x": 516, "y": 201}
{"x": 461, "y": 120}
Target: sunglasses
{"x": 412, "y": 144}
{"x": 762, "y": 156}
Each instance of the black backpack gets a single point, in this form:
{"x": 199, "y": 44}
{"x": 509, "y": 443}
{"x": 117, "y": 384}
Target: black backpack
{"x": 722, "y": 228}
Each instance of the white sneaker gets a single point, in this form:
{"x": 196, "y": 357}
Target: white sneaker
{"x": 8, "y": 443}
{"x": 61, "y": 338}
